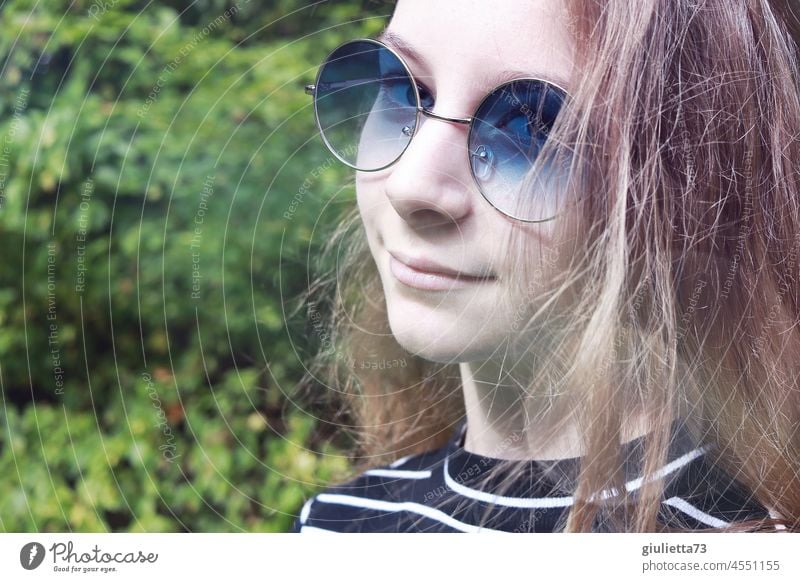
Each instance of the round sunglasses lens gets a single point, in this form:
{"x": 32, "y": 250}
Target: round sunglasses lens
{"x": 510, "y": 128}
{"x": 366, "y": 105}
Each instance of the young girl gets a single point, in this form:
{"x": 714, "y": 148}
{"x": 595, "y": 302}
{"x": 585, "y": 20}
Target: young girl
{"x": 568, "y": 297}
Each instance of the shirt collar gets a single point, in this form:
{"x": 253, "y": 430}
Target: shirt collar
{"x": 547, "y": 483}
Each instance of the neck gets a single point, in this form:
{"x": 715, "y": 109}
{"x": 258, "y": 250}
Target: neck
{"x": 505, "y": 421}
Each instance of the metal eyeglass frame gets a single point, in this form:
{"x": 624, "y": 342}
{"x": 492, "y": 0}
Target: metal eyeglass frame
{"x": 311, "y": 90}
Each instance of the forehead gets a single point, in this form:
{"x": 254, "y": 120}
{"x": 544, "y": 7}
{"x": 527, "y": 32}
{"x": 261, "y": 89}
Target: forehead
{"x": 476, "y": 42}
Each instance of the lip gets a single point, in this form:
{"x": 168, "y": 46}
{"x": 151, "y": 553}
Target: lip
{"x": 430, "y": 276}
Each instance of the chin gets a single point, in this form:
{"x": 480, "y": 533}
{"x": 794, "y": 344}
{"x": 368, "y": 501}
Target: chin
{"x": 446, "y": 343}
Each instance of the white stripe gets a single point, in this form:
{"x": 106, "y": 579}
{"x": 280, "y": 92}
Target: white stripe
{"x": 312, "y": 529}
{"x": 774, "y": 515}
{"x": 689, "y": 509}
{"x": 501, "y": 499}
{"x": 400, "y": 461}
{"x": 670, "y": 467}
{"x": 399, "y": 474}
{"x": 305, "y": 511}
{"x": 562, "y": 501}
{"x": 410, "y": 506}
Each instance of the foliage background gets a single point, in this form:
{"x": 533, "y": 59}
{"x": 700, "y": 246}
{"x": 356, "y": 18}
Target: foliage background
{"x": 176, "y": 412}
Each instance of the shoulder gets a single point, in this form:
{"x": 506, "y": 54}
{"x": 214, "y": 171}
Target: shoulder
{"x": 370, "y": 501}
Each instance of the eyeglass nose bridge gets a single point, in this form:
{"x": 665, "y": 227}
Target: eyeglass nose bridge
{"x": 483, "y": 153}
{"x": 429, "y": 113}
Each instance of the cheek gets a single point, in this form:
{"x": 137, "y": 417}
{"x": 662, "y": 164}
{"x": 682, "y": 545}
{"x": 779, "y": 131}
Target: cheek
{"x": 371, "y": 208}
{"x": 370, "y": 188}
{"x": 366, "y": 196}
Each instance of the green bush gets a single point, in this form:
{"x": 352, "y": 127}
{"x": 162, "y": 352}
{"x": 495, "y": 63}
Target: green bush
{"x": 147, "y": 159}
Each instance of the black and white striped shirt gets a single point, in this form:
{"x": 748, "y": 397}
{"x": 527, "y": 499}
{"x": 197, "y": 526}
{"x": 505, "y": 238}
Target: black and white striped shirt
{"x": 442, "y": 491}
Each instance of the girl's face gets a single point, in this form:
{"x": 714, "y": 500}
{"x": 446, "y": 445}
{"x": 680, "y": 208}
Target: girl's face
{"x": 426, "y": 210}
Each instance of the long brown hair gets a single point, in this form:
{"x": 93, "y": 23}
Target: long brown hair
{"x": 684, "y": 135}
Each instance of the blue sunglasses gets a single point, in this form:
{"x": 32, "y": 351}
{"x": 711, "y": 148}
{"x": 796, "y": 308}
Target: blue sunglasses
{"x": 367, "y": 106}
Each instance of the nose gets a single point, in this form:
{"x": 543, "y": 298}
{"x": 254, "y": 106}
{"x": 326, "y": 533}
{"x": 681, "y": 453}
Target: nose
{"x": 431, "y": 183}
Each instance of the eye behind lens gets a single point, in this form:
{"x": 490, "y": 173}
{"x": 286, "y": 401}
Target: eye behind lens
{"x": 509, "y": 129}
{"x": 365, "y": 105}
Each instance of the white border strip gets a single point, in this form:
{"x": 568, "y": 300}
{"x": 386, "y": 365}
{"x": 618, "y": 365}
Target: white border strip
{"x": 312, "y": 529}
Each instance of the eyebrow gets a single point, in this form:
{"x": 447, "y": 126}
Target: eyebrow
{"x": 398, "y": 43}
